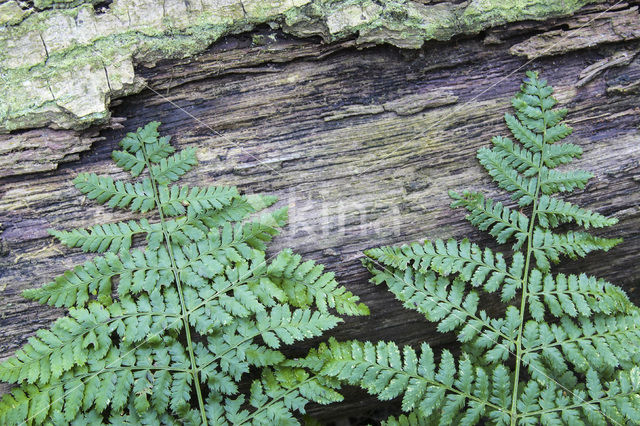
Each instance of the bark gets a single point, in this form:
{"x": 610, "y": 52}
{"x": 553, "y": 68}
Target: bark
{"x": 362, "y": 145}
{"x": 62, "y": 62}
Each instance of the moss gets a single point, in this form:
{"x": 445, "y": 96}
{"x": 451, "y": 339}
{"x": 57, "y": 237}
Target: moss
{"x": 11, "y": 13}
{"x": 62, "y": 51}
{"x": 61, "y": 4}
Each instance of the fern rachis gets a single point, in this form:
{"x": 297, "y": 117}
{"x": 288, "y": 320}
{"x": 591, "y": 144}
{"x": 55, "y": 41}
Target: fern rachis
{"x": 566, "y": 350}
{"x": 197, "y": 308}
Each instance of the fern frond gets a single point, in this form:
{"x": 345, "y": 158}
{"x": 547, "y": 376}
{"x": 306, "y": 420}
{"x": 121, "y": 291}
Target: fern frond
{"x": 553, "y": 181}
{"x": 601, "y": 343}
{"x": 574, "y": 295}
{"x": 230, "y": 352}
{"x": 172, "y": 168}
{"x": 194, "y": 227}
{"x": 198, "y": 306}
{"x": 412, "y": 419}
{"x": 75, "y": 287}
{"x": 553, "y": 212}
{"x": 144, "y": 271}
{"x": 563, "y": 153}
{"x": 445, "y": 302}
{"x": 461, "y": 393}
{"x": 480, "y": 268}
{"x": 140, "y": 197}
{"x": 501, "y": 222}
{"x": 304, "y": 283}
{"x": 111, "y": 237}
{"x": 548, "y": 246}
{"x": 529, "y": 139}
{"x": 102, "y": 384}
{"x": 132, "y": 163}
{"x": 177, "y": 200}
{"x": 578, "y": 368}
{"x": 534, "y": 105}
{"x": 206, "y": 258}
{"x": 52, "y": 352}
{"x": 596, "y": 402}
{"x": 521, "y": 159}
{"x": 497, "y": 164}
{"x": 155, "y": 147}
{"x": 278, "y": 392}
{"x": 556, "y": 132}
{"x": 103, "y": 189}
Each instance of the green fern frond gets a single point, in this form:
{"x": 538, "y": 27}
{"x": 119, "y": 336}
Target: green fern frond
{"x": 553, "y": 181}
{"x": 523, "y": 160}
{"x": 553, "y": 212}
{"x": 574, "y": 295}
{"x": 155, "y": 147}
{"x": 613, "y": 402}
{"x": 132, "y": 163}
{"x": 498, "y": 165}
{"x": 111, "y": 237}
{"x": 198, "y": 308}
{"x": 103, "y": 189}
{"x": 139, "y": 197}
{"x": 547, "y": 246}
{"x": 304, "y": 284}
{"x": 75, "y": 287}
{"x": 412, "y": 419}
{"x": 529, "y": 139}
{"x": 487, "y": 215}
{"x": 176, "y": 201}
{"x": 172, "y": 168}
{"x": 459, "y": 394}
{"x": 567, "y": 347}
{"x": 557, "y": 132}
{"x": 562, "y": 153}
{"x": 194, "y": 227}
{"x": 600, "y": 343}
{"x": 278, "y": 392}
{"x": 53, "y": 352}
{"x": 479, "y": 267}
{"x": 445, "y": 302}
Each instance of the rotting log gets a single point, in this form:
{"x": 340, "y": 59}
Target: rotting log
{"x": 62, "y": 62}
{"x": 362, "y": 145}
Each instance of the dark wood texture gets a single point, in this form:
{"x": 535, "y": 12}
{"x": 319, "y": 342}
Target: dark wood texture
{"x": 362, "y": 145}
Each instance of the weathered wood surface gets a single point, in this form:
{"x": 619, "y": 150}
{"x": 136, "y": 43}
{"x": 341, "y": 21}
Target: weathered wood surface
{"x": 62, "y": 62}
{"x": 276, "y": 115}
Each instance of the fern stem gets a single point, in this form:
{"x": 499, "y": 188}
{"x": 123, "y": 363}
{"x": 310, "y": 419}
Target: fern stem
{"x": 174, "y": 268}
{"x": 525, "y": 281}
{"x": 523, "y": 301}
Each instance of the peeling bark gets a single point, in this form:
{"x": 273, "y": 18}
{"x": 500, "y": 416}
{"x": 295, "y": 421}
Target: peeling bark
{"x": 602, "y": 28}
{"x": 41, "y": 150}
{"x": 68, "y": 46}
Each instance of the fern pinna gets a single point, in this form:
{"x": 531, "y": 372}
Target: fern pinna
{"x": 565, "y": 351}
{"x": 196, "y": 309}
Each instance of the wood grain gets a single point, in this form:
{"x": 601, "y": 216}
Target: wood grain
{"x": 256, "y": 114}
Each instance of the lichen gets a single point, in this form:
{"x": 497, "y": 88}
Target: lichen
{"x": 11, "y": 13}
{"x": 61, "y": 67}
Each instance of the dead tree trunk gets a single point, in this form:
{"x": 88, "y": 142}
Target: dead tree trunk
{"x": 361, "y": 144}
